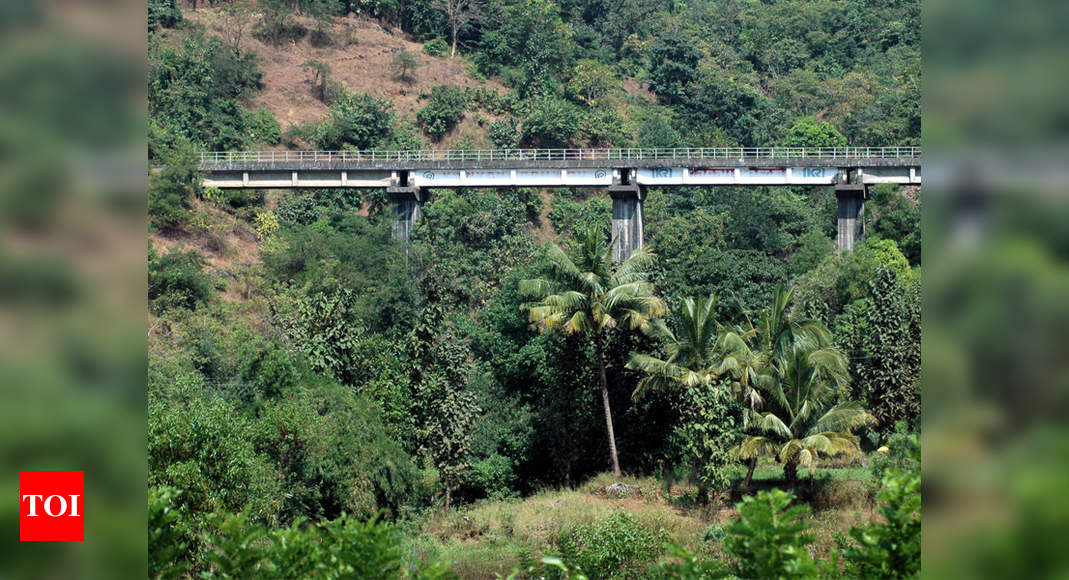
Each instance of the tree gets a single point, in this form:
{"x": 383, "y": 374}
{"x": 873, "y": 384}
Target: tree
{"x": 460, "y": 14}
{"x": 320, "y": 72}
{"x": 808, "y": 132}
{"x": 234, "y": 19}
{"x": 359, "y": 121}
{"x": 803, "y": 413}
{"x": 403, "y": 64}
{"x": 695, "y": 365}
{"x": 587, "y": 293}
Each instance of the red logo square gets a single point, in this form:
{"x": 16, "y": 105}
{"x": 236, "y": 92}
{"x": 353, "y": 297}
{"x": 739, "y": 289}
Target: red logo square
{"x": 51, "y": 506}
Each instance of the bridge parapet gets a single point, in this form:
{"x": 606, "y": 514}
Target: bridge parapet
{"x": 563, "y": 158}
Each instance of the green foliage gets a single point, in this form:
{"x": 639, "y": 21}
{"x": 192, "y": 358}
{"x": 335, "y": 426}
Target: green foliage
{"x": 591, "y": 83}
{"x": 325, "y": 329}
{"x": 171, "y": 190}
{"x": 587, "y": 293}
{"x": 357, "y": 121}
{"x": 769, "y": 538}
{"x": 196, "y": 92}
{"x": 403, "y": 65}
{"x": 505, "y": 133}
{"x": 552, "y": 123}
{"x": 570, "y": 215}
{"x": 176, "y": 280}
{"x": 333, "y": 456}
{"x": 673, "y": 67}
{"x": 168, "y": 542}
{"x": 840, "y": 280}
{"x": 435, "y": 47}
{"x": 163, "y": 14}
{"x": 263, "y": 127}
{"x": 342, "y": 548}
{"x": 896, "y": 218}
{"x": 686, "y": 565}
{"x": 808, "y": 132}
{"x": 803, "y": 412}
{"x": 445, "y": 108}
{"x": 617, "y": 547}
{"x": 707, "y": 433}
{"x": 814, "y": 247}
{"x": 891, "y": 549}
{"x": 882, "y": 334}
{"x": 204, "y": 447}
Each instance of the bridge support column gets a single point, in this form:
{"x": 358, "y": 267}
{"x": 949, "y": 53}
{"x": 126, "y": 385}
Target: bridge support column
{"x": 851, "y": 198}
{"x": 407, "y": 203}
{"x": 626, "y": 220}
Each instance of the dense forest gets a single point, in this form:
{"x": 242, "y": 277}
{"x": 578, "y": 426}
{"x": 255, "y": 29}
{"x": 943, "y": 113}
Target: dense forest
{"x": 497, "y": 397}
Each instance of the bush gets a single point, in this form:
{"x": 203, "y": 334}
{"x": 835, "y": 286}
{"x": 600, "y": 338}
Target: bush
{"x": 618, "y": 547}
{"x": 445, "y": 108}
{"x": 163, "y": 14}
{"x": 343, "y": 548}
{"x": 436, "y": 47}
{"x": 505, "y": 134}
{"x": 891, "y": 549}
{"x": 263, "y": 128}
{"x": 768, "y": 538}
{"x": 176, "y": 280}
{"x": 359, "y": 121}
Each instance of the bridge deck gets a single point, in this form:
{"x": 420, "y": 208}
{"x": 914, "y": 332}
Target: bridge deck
{"x": 560, "y": 167}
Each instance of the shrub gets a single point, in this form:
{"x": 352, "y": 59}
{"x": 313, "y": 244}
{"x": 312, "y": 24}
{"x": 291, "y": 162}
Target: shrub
{"x": 343, "y": 548}
{"x": 505, "y": 134}
{"x": 617, "y": 547}
{"x": 163, "y": 14}
{"x": 176, "y": 280}
{"x": 167, "y": 537}
{"x": 435, "y": 47}
{"x": 891, "y": 549}
{"x": 359, "y": 121}
{"x": 768, "y": 538}
{"x": 263, "y": 128}
{"x": 403, "y": 65}
{"x": 445, "y": 108}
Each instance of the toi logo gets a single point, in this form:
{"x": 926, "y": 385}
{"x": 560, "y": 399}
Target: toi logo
{"x": 50, "y": 506}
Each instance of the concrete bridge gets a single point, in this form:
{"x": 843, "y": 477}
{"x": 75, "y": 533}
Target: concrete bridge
{"x": 408, "y": 176}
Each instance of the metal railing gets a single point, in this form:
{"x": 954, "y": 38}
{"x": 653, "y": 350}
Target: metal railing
{"x": 741, "y": 153}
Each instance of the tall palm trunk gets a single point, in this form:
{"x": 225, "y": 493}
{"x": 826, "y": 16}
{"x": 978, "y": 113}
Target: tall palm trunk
{"x": 749, "y": 472}
{"x": 790, "y": 473}
{"x": 605, "y": 403}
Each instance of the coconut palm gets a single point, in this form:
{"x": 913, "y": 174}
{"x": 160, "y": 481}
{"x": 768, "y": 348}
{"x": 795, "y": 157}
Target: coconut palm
{"x": 804, "y": 416}
{"x": 587, "y": 293}
{"x": 705, "y": 355}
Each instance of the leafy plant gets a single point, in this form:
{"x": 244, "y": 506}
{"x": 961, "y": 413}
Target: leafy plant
{"x": 617, "y": 547}
{"x": 403, "y": 65}
{"x": 891, "y": 549}
{"x": 435, "y": 47}
{"x": 769, "y": 539}
{"x": 176, "y": 280}
{"x": 445, "y": 108}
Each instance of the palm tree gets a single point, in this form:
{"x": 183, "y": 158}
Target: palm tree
{"x": 804, "y": 416}
{"x": 703, "y": 352}
{"x": 586, "y": 293}
{"x": 690, "y": 359}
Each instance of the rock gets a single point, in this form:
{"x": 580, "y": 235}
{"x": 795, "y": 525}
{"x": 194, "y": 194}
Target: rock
{"x": 619, "y": 489}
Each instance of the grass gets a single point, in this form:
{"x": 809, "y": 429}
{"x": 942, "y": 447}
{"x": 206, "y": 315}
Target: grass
{"x": 492, "y": 538}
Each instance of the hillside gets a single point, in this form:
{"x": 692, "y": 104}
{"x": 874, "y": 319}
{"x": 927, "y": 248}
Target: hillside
{"x": 327, "y": 401}
{"x": 360, "y": 58}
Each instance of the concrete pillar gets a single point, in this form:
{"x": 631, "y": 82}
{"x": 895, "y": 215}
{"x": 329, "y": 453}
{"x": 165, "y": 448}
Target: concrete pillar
{"x": 626, "y": 220}
{"x": 851, "y": 198}
{"x": 406, "y": 202}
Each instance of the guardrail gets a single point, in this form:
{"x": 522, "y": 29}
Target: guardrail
{"x": 561, "y": 154}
